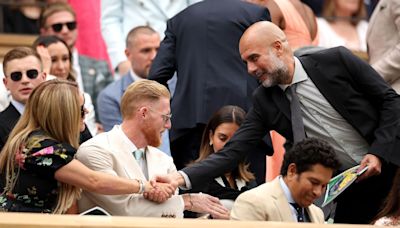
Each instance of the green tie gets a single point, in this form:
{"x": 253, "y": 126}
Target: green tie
{"x": 138, "y": 154}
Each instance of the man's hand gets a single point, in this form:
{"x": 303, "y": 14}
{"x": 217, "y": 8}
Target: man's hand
{"x": 374, "y": 166}
{"x": 175, "y": 179}
{"x": 159, "y": 192}
{"x": 204, "y": 203}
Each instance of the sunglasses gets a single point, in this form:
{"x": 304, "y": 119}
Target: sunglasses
{"x": 17, "y": 75}
{"x": 59, "y": 26}
{"x": 83, "y": 108}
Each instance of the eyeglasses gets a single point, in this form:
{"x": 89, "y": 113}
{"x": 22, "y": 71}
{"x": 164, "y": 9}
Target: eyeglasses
{"x": 17, "y": 75}
{"x": 59, "y": 26}
{"x": 166, "y": 117}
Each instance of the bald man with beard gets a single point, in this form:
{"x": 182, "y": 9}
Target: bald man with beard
{"x": 342, "y": 100}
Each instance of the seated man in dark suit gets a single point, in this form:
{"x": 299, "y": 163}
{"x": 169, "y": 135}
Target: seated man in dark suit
{"x": 306, "y": 170}
{"x": 330, "y": 95}
{"x": 23, "y": 72}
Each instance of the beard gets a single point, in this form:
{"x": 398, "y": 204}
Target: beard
{"x": 152, "y": 135}
{"x": 278, "y": 75}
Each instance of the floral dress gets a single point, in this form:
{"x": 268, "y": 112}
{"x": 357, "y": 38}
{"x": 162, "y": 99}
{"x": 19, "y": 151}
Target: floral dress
{"x": 36, "y": 189}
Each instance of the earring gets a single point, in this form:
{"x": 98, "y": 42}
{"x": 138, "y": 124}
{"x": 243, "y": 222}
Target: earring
{"x": 211, "y": 143}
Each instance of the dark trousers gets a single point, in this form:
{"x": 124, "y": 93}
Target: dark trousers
{"x": 185, "y": 149}
{"x": 361, "y": 202}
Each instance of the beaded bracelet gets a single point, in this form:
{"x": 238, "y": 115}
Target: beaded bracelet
{"x": 141, "y": 186}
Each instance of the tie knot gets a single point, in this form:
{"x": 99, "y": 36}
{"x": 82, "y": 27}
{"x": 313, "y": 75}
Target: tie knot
{"x": 138, "y": 154}
{"x": 291, "y": 89}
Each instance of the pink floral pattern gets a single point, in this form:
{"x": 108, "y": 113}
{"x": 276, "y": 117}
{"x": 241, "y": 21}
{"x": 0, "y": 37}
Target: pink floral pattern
{"x": 44, "y": 151}
{"x": 36, "y": 189}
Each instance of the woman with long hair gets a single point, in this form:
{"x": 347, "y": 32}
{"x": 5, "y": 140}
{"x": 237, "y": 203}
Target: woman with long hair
{"x": 37, "y": 166}
{"x": 57, "y": 61}
{"x": 220, "y": 128}
{"x": 390, "y": 213}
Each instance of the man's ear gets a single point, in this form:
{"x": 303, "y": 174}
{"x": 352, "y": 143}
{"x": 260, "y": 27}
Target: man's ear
{"x": 127, "y": 53}
{"x": 143, "y": 111}
{"x": 292, "y": 170}
{"x": 5, "y": 81}
{"x": 43, "y": 75}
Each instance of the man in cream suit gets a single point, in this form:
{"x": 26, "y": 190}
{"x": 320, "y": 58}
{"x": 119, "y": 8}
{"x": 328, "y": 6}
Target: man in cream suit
{"x": 305, "y": 172}
{"x": 383, "y": 39}
{"x": 129, "y": 150}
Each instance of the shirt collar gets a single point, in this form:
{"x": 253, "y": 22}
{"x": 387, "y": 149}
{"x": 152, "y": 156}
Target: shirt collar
{"x": 286, "y": 190}
{"x": 134, "y": 76}
{"x": 18, "y": 105}
{"x": 132, "y": 147}
{"x": 298, "y": 76}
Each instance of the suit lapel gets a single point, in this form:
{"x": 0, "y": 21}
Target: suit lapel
{"x": 151, "y": 158}
{"x": 126, "y": 81}
{"x": 122, "y": 150}
{"x": 311, "y": 215}
{"x": 326, "y": 83}
{"x": 281, "y": 202}
{"x": 10, "y": 116}
{"x": 280, "y": 100}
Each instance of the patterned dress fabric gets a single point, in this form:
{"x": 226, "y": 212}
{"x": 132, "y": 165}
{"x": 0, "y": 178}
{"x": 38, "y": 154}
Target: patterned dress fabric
{"x": 36, "y": 189}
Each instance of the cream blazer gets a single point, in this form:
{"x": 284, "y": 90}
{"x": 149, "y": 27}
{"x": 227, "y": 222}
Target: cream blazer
{"x": 383, "y": 39}
{"x": 268, "y": 202}
{"x": 110, "y": 153}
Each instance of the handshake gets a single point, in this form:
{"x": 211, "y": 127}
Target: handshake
{"x": 162, "y": 187}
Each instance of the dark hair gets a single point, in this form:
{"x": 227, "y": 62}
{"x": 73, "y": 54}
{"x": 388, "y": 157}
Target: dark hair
{"x": 226, "y": 114}
{"x": 46, "y": 41}
{"x": 309, "y": 152}
{"x": 391, "y": 205}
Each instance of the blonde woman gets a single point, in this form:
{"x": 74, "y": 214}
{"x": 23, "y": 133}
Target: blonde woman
{"x": 37, "y": 166}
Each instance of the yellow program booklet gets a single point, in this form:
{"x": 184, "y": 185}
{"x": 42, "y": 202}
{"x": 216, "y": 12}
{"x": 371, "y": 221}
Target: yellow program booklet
{"x": 340, "y": 182}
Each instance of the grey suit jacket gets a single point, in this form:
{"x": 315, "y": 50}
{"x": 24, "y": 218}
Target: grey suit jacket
{"x": 96, "y": 75}
{"x": 109, "y": 100}
{"x": 268, "y": 202}
{"x": 383, "y": 39}
{"x": 110, "y": 153}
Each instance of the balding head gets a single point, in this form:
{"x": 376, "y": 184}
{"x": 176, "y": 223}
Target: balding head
{"x": 263, "y": 32}
{"x": 266, "y": 51}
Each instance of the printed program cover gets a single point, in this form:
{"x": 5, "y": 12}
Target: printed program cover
{"x": 340, "y": 182}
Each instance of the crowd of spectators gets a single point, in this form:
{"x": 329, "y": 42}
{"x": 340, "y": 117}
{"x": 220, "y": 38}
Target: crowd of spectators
{"x": 139, "y": 107}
